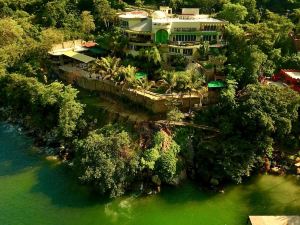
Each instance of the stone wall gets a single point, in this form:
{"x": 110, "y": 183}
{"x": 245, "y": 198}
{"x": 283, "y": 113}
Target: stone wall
{"x": 157, "y": 103}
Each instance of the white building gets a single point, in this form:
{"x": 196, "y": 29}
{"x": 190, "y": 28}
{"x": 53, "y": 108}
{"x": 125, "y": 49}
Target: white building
{"x": 173, "y": 34}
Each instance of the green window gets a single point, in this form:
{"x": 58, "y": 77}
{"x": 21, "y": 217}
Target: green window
{"x": 162, "y": 37}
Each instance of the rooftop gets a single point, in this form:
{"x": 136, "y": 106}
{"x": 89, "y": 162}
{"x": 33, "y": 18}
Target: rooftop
{"x": 295, "y": 74}
{"x": 200, "y": 18}
{"x": 134, "y": 14}
{"x": 274, "y": 220}
{"x": 159, "y": 16}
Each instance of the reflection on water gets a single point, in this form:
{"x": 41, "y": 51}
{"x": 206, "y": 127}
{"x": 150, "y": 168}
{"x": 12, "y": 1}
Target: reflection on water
{"x": 37, "y": 192}
{"x": 119, "y": 210}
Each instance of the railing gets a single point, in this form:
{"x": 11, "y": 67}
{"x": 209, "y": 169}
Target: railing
{"x": 196, "y": 29}
{"x": 185, "y": 43}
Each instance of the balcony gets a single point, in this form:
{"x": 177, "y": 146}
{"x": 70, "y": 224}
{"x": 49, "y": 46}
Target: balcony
{"x": 184, "y": 43}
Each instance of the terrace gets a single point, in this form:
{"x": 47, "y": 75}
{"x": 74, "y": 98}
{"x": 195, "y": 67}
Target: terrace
{"x": 155, "y": 102}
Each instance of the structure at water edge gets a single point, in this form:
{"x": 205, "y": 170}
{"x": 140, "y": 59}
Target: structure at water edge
{"x": 273, "y": 220}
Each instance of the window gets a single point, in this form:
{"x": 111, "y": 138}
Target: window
{"x": 210, "y": 28}
{"x": 185, "y": 29}
{"x": 185, "y": 38}
{"x": 174, "y": 50}
{"x": 187, "y": 51}
{"x": 206, "y": 38}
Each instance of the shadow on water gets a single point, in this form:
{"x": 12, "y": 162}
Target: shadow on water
{"x": 273, "y": 196}
{"x": 14, "y": 151}
{"x": 60, "y": 185}
{"x": 189, "y": 192}
{"x": 53, "y": 180}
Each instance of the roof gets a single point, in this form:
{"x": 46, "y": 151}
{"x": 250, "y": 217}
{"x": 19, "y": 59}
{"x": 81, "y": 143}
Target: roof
{"x": 198, "y": 19}
{"x": 134, "y": 14}
{"x": 144, "y": 26}
{"x": 293, "y": 74}
{"x": 274, "y": 220}
{"x": 216, "y": 84}
{"x": 89, "y": 44}
{"x": 79, "y": 56}
{"x": 159, "y": 15}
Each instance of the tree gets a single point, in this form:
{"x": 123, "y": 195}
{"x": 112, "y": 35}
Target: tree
{"x": 176, "y": 4}
{"x": 107, "y": 67}
{"x": 139, "y": 3}
{"x": 162, "y": 159}
{"x": 103, "y": 13}
{"x": 88, "y": 24}
{"x": 250, "y": 125}
{"x": 10, "y": 32}
{"x": 167, "y": 81}
{"x": 218, "y": 61}
{"x": 253, "y": 13}
{"x": 50, "y": 108}
{"x": 234, "y": 13}
{"x": 113, "y": 41}
{"x": 106, "y": 160}
{"x": 49, "y": 37}
{"x": 127, "y": 75}
{"x": 55, "y": 13}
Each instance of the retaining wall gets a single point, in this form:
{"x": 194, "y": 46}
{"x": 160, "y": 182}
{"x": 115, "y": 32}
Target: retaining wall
{"x": 157, "y": 103}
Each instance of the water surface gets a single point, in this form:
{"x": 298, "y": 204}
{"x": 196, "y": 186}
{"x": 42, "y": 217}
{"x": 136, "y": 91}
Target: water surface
{"x": 36, "y": 192}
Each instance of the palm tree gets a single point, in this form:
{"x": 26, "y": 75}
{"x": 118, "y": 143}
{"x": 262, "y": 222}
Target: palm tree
{"x": 126, "y": 76}
{"x": 108, "y": 67}
{"x": 168, "y": 81}
{"x": 193, "y": 80}
{"x": 144, "y": 84}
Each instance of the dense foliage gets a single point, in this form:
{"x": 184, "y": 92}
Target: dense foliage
{"x": 251, "y": 125}
{"x": 107, "y": 159}
{"x": 50, "y": 108}
{"x": 161, "y": 158}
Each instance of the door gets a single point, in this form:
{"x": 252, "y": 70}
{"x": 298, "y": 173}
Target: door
{"x": 162, "y": 37}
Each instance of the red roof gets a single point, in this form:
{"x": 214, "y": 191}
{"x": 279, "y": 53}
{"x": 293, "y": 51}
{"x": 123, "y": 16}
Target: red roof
{"x": 90, "y": 44}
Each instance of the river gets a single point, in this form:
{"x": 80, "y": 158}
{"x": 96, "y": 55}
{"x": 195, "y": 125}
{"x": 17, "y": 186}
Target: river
{"x": 34, "y": 191}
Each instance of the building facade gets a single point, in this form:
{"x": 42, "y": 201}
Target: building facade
{"x": 173, "y": 34}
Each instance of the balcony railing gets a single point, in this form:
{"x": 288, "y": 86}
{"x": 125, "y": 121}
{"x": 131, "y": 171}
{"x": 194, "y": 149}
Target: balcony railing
{"x": 196, "y": 30}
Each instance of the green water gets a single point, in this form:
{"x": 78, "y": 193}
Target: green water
{"x": 36, "y": 192}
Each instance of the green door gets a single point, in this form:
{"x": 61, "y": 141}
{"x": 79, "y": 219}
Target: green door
{"x": 162, "y": 37}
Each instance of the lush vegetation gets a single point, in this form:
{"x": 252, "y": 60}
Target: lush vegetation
{"x": 255, "y": 122}
{"x": 51, "y": 109}
{"x": 254, "y": 125}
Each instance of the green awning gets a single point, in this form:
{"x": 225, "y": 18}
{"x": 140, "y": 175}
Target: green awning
{"x": 216, "y": 84}
{"x": 139, "y": 75}
{"x": 97, "y": 50}
{"x": 78, "y": 56}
